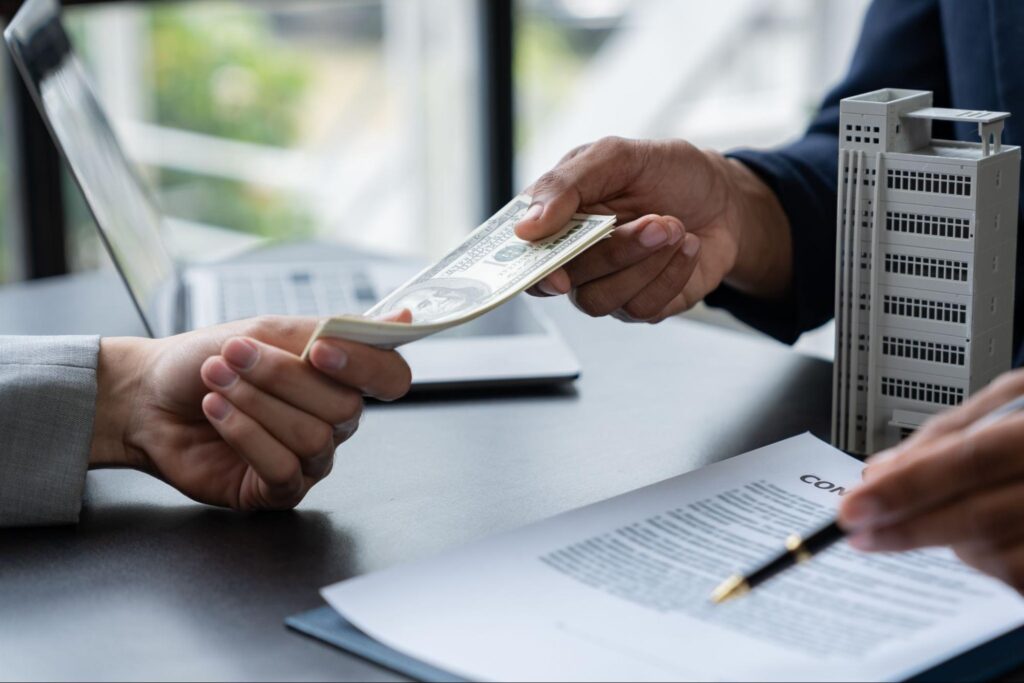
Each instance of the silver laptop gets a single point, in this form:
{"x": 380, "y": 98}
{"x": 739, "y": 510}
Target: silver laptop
{"x": 513, "y": 345}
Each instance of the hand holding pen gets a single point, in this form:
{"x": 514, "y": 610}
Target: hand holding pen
{"x": 958, "y": 482}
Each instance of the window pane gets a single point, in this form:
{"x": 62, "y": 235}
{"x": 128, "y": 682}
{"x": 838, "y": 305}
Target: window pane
{"x": 6, "y": 238}
{"x": 723, "y": 74}
{"x": 720, "y": 74}
{"x": 346, "y": 120}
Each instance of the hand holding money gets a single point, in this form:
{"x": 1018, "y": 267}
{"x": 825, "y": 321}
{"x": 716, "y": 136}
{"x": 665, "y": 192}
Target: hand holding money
{"x": 489, "y": 268}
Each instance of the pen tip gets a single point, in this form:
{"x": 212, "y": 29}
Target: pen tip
{"x": 733, "y": 587}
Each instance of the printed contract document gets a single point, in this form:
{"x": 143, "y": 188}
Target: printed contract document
{"x": 620, "y": 590}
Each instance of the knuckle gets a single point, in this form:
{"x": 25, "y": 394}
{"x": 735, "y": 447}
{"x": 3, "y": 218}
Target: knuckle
{"x": 260, "y": 325}
{"x": 284, "y": 474}
{"x": 593, "y": 301}
{"x": 575, "y": 152}
{"x": 347, "y": 408}
{"x": 314, "y": 439}
{"x": 551, "y": 182}
{"x": 345, "y": 431}
{"x": 642, "y": 309}
{"x": 611, "y": 144}
{"x": 618, "y": 259}
{"x": 328, "y": 468}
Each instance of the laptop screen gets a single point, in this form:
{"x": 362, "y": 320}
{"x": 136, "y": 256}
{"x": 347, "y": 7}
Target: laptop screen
{"x": 126, "y": 214}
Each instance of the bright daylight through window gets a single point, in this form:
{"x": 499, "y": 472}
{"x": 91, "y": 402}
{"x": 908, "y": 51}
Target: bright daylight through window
{"x": 360, "y": 120}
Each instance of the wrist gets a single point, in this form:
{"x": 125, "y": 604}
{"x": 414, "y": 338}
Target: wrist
{"x": 764, "y": 258}
{"x": 119, "y": 376}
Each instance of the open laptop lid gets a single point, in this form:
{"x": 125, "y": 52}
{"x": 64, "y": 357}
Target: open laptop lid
{"x": 118, "y": 197}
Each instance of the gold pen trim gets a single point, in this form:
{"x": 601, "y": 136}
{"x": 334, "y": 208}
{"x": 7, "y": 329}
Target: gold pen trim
{"x": 733, "y": 587}
{"x": 795, "y": 546}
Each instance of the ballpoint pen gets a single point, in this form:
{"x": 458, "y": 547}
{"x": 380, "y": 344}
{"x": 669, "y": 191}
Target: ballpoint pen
{"x": 799, "y": 549}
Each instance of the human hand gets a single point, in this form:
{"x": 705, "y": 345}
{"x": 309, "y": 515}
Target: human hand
{"x": 954, "y": 483}
{"x": 231, "y": 416}
{"x": 689, "y": 220}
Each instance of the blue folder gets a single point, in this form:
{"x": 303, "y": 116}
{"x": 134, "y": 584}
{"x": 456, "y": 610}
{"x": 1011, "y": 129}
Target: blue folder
{"x": 328, "y": 626}
{"x": 986, "y": 663}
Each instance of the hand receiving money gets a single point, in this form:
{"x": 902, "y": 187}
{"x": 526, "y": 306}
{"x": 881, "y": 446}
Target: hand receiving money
{"x": 488, "y": 269}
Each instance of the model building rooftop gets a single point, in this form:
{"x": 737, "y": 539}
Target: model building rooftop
{"x": 904, "y": 117}
{"x": 954, "y": 149}
{"x": 958, "y": 115}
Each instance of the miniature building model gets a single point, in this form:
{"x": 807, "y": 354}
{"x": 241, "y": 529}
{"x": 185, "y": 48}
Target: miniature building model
{"x": 925, "y": 261}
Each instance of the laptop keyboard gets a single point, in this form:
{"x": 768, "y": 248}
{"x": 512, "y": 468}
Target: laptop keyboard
{"x": 295, "y": 293}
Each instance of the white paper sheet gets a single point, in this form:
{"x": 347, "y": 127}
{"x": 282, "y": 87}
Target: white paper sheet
{"x": 619, "y": 590}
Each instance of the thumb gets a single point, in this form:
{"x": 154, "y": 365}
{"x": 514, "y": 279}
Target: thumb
{"x": 555, "y": 200}
{"x": 403, "y": 316}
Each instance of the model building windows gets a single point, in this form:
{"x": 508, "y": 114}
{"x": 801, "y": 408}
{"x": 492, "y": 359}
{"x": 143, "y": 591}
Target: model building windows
{"x": 859, "y": 134}
{"x": 930, "y": 183}
{"x": 925, "y": 392}
{"x": 929, "y": 352}
{"x": 922, "y": 266}
{"x": 923, "y": 309}
{"x": 933, "y": 226}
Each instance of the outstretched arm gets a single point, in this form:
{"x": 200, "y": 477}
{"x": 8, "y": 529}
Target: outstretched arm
{"x": 753, "y": 232}
{"x": 230, "y": 415}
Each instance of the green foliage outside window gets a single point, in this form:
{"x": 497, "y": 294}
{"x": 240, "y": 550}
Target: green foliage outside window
{"x": 549, "y": 58}
{"x": 229, "y": 78}
{"x": 223, "y": 73}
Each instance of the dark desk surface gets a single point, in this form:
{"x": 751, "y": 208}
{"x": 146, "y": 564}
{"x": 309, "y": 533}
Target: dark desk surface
{"x": 151, "y": 586}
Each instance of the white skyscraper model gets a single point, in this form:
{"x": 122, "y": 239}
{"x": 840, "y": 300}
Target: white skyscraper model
{"x": 925, "y": 264}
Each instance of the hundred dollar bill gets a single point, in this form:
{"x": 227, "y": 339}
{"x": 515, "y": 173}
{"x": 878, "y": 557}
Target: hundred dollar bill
{"x": 490, "y": 267}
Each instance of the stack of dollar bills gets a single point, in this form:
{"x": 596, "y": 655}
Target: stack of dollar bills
{"x": 488, "y": 269}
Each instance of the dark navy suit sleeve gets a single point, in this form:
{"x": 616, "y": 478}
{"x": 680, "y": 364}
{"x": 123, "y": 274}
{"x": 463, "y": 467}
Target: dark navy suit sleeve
{"x": 900, "y": 46}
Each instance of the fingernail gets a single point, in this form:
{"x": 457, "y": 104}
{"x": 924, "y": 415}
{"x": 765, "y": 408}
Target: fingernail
{"x": 328, "y": 357}
{"x": 862, "y": 511}
{"x": 221, "y": 375}
{"x": 241, "y": 354}
{"x": 691, "y": 245}
{"x": 654, "y": 235}
{"x": 217, "y": 407}
{"x": 534, "y": 213}
{"x": 676, "y": 231}
{"x": 548, "y": 289}
{"x": 391, "y": 317}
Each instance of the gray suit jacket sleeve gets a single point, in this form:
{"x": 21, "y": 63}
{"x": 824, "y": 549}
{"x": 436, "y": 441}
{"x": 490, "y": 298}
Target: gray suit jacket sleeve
{"x": 47, "y": 403}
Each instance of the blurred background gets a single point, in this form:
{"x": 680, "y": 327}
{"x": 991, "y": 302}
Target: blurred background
{"x": 397, "y": 125}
